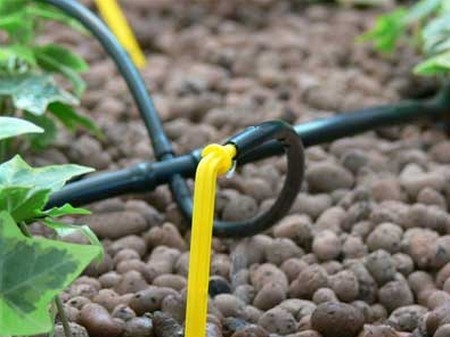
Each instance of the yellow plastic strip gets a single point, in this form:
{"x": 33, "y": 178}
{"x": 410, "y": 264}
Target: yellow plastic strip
{"x": 216, "y": 160}
{"x": 114, "y": 17}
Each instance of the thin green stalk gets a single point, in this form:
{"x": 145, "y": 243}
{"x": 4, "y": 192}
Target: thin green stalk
{"x": 63, "y": 317}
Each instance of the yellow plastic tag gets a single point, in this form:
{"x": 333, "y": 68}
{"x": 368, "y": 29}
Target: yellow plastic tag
{"x": 113, "y": 16}
{"x": 216, "y": 160}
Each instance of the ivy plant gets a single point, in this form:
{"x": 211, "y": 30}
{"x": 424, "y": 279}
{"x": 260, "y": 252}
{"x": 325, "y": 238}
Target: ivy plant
{"x": 425, "y": 25}
{"x": 33, "y": 271}
{"x": 29, "y": 71}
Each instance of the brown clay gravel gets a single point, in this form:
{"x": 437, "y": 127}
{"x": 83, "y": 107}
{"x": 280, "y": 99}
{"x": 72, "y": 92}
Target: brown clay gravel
{"x": 365, "y": 250}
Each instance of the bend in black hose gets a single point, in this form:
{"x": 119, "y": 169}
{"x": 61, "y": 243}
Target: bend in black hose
{"x": 247, "y": 141}
{"x": 161, "y": 144}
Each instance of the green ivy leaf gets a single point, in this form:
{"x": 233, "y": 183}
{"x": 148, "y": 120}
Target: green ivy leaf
{"x": 11, "y": 127}
{"x": 39, "y": 142}
{"x": 422, "y": 9}
{"x": 34, "y": 93}
{"x": 62, "y": 56}
{"x": 436, "y": 65}
{"x": 63, "y": 230}
{"x": 8, "y": 7}
{"x": 386, "y": 32}
{"x": 16, "y": 172}
{"x": 66, "y": 209}
{"x": 71, "y": 119}
{"x": 47, "y": 12}
{"x": 32, "y": 273}
{"x": 23, "y": 203}
{"x": 17, "y": 26}
{"x": 17, "y": 52}
{"x": 58, "y": 59}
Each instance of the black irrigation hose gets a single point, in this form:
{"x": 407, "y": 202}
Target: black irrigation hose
{"x": 173, "y": 170}
{"x": 161, "y": 143}
{"x": 147, "y": 176}
{"x": 122, "y": 181}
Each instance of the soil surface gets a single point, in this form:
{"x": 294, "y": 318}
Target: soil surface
{"x": 365, "y": 250}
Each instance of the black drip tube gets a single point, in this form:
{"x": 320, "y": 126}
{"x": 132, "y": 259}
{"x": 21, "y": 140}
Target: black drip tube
{"x": 275, "y": 137}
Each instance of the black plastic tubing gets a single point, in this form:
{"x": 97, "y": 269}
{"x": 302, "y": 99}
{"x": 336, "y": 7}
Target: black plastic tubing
{"x": 161, "y": 143}
{"x": 246, "y": 142}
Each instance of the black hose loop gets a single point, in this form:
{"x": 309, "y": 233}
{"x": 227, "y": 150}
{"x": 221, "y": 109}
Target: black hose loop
{"x": 246, "y": 143}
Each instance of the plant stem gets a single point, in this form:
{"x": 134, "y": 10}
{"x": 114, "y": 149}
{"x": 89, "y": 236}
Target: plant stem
{"x": 59, "y": 306}
{"x": 63, "y": 317}
{"x": 24, "y": 228}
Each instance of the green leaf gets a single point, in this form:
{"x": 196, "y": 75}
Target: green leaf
{"x": 422, "y": 9}
{"x": 17, "y": 52}
{"x": 23, "y": 203}
{"x": 63, "y": 230}
{"x": 8, "y": 7}
{"x": 16, "y": 172}
{"x": 66, "y": 209}
{"x": 62, "y": 56}
{"x": 18, "y": 28}
{"x": 387, "y": 31}
{"x": 436, "y": 65}
{"x": 39, "y": 142}
{"x": 71, "y": 119}
{"x": 58, "y": 59}
{"x": 47, "y": 12}
{"x": 32, "y": 273}
{"x": 11, "y": 127}
{"x": 34, "y": 93}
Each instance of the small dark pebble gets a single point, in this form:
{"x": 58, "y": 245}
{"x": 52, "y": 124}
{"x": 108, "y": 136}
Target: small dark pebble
{"x": 218, "y": 285}
{"x": 166, "y": 326}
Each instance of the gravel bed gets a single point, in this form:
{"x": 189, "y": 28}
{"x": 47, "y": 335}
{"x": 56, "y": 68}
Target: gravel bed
{"x": 365, "y": 250}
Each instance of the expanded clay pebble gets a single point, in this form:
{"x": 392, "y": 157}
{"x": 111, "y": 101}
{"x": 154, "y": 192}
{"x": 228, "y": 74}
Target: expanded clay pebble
{"x": 166, "y": 326}
{"x": 166, "y": 235}
{"x": 292, "y": 267}
{"x": 296, "y": 227}
{"x": 76, "y": 330}
{"x": 395, "y": 294}
{"x": 345, "y": 285}
{"x": 267, "y": 273}
{"x": 323, "y": 295}
{"x": 251, "y": 331}
{"x": 176, "y": 282}
{"x": 282, "y": 249}
{"x": 98, "y": 322}
{"x": 386, "y": 236}
{"x": 326, "y": 245}
{"x": 406, "y": 318}
{"x": 378, "y": 331}
{"x": 333, "y": 319}
{"x": 269, "y": 296}
{"x": 115, "y": 225}
{"x": 133, "y": 242}
{"x": 279, "y": 321}
{"x": 149, "y": 299}
{"x": 381, "y": 266}
{"x": 131, "y": 282}
{"x": 442, "y": 331}
{"x": 138, "y": 327}
{"x": 308, "y": 281}
{"x": 353, "y": 247}
{"x": 110, "y": 279}
{"x": 327, "y": 177}
{"x": 241, "y": 207}
{"x": 229, "y": 305}
{"x": 431, "y": 217}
